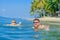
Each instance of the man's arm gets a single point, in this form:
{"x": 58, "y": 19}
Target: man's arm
{"x": 46, "y": 27}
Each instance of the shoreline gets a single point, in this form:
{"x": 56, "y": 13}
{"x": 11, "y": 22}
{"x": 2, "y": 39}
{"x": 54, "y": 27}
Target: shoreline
{"x": 52, "y": 19}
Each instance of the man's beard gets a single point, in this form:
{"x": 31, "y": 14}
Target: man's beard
{"x": 36, "y": 27}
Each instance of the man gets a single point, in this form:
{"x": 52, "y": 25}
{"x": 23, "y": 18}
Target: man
{"x": 37, "y": 25}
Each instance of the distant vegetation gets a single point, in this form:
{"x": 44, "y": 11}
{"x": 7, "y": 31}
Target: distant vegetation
{"x": 44, "y": 7}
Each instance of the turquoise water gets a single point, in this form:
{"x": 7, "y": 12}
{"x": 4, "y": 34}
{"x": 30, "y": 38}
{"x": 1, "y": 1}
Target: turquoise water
{"x": 25, "y": 32}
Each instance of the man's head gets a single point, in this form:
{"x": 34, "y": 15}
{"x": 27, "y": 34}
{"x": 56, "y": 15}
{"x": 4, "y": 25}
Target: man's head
{"x": 36, "y": 23}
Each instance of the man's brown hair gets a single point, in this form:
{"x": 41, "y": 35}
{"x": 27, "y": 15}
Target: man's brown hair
{"x": 37, "y": 20}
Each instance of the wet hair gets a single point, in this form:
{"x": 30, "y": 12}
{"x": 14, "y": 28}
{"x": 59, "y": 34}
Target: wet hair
{"x": 14, "y": 21}
{"x": 37, "y": 20}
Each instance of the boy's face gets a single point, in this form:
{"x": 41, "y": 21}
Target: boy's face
{"x": 36, "y": 23}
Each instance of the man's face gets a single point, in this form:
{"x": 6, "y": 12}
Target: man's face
{"x": 36, "y": 23}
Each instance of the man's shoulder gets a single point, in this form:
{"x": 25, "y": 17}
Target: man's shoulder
{"x": 42, "y": 26}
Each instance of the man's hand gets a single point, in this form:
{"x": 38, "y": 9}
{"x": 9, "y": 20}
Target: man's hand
{"x": 46, "y": 28}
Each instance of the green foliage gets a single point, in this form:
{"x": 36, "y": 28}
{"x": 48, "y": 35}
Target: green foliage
{"x": 49, "y": 6}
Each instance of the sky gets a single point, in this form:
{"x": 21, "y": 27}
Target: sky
{"x": 15, "y": 8}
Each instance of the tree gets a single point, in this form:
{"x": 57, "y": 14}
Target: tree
{"x": 50, "y": 6}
